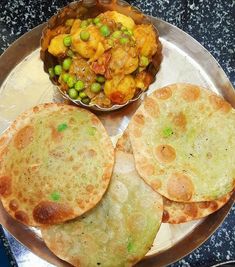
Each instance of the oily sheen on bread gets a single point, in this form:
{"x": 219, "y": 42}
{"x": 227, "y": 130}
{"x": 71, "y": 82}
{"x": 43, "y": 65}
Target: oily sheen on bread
{"x": 183, "y": 143}
{"x": 56, "y": 163}
{"x": 119, "y": 231}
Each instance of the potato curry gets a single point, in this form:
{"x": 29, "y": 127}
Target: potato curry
{"x": 103, "y": 60}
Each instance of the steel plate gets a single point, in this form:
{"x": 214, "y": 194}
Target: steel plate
{"x": 24, "y": 84}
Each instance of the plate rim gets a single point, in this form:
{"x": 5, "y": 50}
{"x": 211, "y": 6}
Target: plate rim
{"x": 28, "y": 43}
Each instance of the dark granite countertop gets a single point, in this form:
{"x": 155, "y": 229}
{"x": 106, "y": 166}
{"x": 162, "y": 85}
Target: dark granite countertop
{"x": 212, "y": 23}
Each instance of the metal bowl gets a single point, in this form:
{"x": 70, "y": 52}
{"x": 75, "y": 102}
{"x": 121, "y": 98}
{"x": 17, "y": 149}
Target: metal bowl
{"x": 183, "y": 56}
{"x": 90, "y": 9}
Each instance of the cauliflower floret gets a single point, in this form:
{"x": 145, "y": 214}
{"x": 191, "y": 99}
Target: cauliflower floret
{"x": 145, "y": 40}
{"x": 120, "y": 89}
{"x": 57, "y": 47}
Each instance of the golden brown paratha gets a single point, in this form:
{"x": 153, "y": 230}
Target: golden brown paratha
{"x": 56, "y": 163}
{"x": 183, "y": 142}
{"x": 119, "y": 231}
{"x": 178, "y": 212}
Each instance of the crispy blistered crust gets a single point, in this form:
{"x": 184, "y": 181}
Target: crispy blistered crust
{"x": 178, "y": 212}
{"x": 130, "y": 214}
{"x": 153, "y": 160}
{"x": 38, "y": 211}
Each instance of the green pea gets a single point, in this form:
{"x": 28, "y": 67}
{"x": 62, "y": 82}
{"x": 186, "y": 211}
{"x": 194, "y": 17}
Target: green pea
{"x": 110, "y": 42}
{"x": 69, "y": 22}
{"x": 61, "y": 127}
{"x": 95, "y": 87}
{"x": 65, "y": 77}
{"x": 67, "y": 63}
{"x": 73, "y": 93}
{"x": 86, "y": 100}
{"x": 71, "y": 81}
{"x": 67, "y": 40}
{"x": 89, "y": 21}
{"x": 96, "y": 20}
{"x": 130, "y": 246}
{"x": 128, "y": 32}
{"x": 58, "y": 70}
{"x": 100, "y": 79}
{"x": 55, "y": 196}
{"x": 124, "y": 40}
{"x": 167, "y": 132}
{"x": 117, "y": 34}
{"x": 144, "y": 61}
{"x": 70, "y": 53}
{"x": 104, "y": 30}
{"x": 51, "y": 72}
{"x": 79, "y": 85}
{"x": 84, "y": 35}
{"x": 84, "y": 24}
{"x": 82, "y": 94}
{"x": 99, "y": 24}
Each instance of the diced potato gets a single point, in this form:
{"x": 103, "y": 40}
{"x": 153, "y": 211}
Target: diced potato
{"x": 119, "y": 90}
{"x": 101, "y": 100}
{"x": 143, "y": 80}
{"x": 87, "y": 49}
{"x": 145, "y": 40}
{"x": 57, "y": 47}
{"x": 120, "y": 18}
{"x": 75, "y": 26}
{"x": 99, "y": 52}
{"x": 123, "y": 61}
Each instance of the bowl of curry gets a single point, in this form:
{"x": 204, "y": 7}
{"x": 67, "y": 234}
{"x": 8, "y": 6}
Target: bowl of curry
{"x": 102, "y": 55}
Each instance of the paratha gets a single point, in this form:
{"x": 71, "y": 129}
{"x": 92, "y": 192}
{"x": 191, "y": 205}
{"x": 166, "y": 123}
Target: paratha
{"x": 178, "y": 212}
{"x": 183, "y": 142}
{"x": 56, "y": 163}
{"x": 119, "y": 231}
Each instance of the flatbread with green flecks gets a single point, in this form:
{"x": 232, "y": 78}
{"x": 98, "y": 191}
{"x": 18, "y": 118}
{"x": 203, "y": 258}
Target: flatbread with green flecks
{"x": 178, "y": 212}
{"x": 183, "y": 143}
{"x": 119, "y": 231}
{"x": 56, "y": 162}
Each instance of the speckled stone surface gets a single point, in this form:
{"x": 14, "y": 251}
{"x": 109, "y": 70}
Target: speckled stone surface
{"x": 212, "y": 23}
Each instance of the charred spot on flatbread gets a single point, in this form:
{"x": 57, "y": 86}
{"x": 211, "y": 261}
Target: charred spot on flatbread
{"x": 24, "y": 137}
{"x": 48, "y": 212}
{"x": 5, "y": 186}
{"x": 180, "y": 187}
{"x": 175, "y": 213}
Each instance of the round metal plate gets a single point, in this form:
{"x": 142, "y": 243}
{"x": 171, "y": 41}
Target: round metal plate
{"x": 25, "y": 85}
